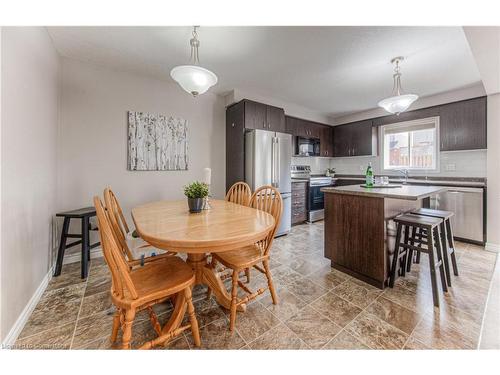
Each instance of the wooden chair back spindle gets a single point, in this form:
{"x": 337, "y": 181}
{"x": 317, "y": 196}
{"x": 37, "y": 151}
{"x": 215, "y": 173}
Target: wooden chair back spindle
{"x": 117, "y": 221}
{"x": 268, "y": 199}
{"x": 239, "y": 193}
{"x": 120, "y": 270}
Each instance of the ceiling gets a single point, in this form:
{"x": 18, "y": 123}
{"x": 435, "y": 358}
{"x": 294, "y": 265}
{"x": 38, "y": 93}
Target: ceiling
{"x": 331, "y": 70}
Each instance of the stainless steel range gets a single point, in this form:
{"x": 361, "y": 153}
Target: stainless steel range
{"x": 315, "y": 199}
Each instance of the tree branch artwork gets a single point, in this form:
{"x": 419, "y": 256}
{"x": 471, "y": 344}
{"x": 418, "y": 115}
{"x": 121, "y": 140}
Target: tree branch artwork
{"x": 157, "y": 142}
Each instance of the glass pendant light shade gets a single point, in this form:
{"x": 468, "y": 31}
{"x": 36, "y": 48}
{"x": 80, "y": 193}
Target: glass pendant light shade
{"x": 193, "y": 79}
{"x": 398, "y": 102}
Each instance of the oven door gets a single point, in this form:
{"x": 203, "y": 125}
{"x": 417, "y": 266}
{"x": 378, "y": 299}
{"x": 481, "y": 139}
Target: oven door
{"x": 316, "y": 198}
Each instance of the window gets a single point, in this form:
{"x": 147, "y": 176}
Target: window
{"x": 411, "y": 145}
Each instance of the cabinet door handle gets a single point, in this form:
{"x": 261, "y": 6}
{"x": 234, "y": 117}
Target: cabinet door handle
{"x": 232, "y": 124}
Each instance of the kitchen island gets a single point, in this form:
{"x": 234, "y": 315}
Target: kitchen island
{"x": 359, "y": 231}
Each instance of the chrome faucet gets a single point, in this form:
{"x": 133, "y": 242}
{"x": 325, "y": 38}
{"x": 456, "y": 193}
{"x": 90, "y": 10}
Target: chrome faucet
{"x": 404, "y": 172}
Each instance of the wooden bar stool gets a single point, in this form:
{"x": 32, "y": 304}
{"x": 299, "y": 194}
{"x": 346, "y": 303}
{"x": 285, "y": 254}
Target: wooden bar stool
{"x": 83, "y": 214}
{"x": 403, "y": 250}
{"x": 448, "y": 244}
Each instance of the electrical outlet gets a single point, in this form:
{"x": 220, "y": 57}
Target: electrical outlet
{"x": 451, "y": 167}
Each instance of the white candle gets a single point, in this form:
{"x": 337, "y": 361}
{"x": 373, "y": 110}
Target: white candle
{"x": 207, "y": 174}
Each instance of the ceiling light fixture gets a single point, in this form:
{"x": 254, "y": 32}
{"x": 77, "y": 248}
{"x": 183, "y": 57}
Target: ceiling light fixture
{"x": 193, "y": 78}
{"x": 398, "y": 102}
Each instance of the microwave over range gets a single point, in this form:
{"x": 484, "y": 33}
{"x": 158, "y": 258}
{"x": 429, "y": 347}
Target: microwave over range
{"x": 307, "y": 146}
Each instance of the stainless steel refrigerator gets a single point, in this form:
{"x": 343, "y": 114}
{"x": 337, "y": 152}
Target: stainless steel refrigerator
{"x": 268, "y": 157}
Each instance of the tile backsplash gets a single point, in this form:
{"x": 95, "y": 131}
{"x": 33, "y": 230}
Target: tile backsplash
{"x": 452, "y": 164}
{"x": 318, "y": 165}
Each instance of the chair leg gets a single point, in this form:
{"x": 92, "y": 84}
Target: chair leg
{"x": 395, "y": 256}
{"x": 127, "y": 328}
{"x": 62, "y": 246}
{"x": 192, "y": 317}
{"x": 234, "y": 299}
{"x": 444, "y": 252}
{"x": 116, "y": 326}
{"x": 247, "y": 274}
{"x": 405, "y": 256}
{"x": 435, "y": 295}
{"x": 270, "y": 283}
{"x": 410, "y": 251}
{"x": 437, "y": 236}
{"x": 417, "y": 260}
{"x": 451, "y": 245}
{"x": 85, "y": 247}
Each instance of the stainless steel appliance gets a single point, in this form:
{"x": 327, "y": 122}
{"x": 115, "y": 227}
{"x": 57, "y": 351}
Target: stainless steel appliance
{"x": 268, "y": 157}
{"x": 316, "y": 201}
{"x": 301, "y": 172}
{"x": 468, "y": 206}
{"x": 307, "y": 146}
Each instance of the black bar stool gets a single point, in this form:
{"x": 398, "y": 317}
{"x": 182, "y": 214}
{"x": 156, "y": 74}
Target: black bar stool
{"x": 84, "y": 214}
{"x": 403, "y": 250}
{"x": 447, "y": 241}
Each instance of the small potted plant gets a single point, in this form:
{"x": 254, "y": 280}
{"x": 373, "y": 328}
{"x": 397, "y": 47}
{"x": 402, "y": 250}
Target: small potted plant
{"x": 196, "y": 192}
{"x": 330, "y": 172}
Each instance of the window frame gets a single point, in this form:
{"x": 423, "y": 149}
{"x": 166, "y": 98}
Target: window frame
{"x": 417, "y": 122}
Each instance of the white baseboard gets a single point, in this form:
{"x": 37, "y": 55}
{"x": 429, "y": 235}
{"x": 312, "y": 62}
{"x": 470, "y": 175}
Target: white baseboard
{"x": 77, "y": 257}
{"x": 493, "y": 247}
{"x": 18, "y": 326}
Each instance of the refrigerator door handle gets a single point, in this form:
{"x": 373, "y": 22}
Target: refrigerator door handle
{"x": 274, "y": 159}
{"x": 273, "y": 170}
{"x": 278, "y": 162}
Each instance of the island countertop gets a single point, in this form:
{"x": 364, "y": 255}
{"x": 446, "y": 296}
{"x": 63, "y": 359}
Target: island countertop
{"x": 406, "y": 192}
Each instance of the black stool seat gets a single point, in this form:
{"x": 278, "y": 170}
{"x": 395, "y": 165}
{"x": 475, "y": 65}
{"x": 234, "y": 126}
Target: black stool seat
{"x": 402, "y": 257}
{"x": 83, "y": 214}
{"x": 425, "y": 221}
{"x": 434, "y": 213}
{"x": 78, "y": 213}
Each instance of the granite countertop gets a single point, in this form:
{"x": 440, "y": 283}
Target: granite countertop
{"x": 441, "y": 181}
{"x": 407, "y": 192}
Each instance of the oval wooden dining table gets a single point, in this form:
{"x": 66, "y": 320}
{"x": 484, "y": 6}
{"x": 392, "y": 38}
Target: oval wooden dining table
{"x": 168, "y": 225}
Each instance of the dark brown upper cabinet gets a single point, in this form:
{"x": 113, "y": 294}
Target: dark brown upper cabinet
{"x": 263, "y": 116}
{"x": 462, "y": 125}
{"x": 355, "y": 139}
{"x": 326, "y": 141}
{"x": 303, "y": 128}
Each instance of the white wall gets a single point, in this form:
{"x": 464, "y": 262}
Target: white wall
{"x": 493, "y": 212}
{"x": 93, "y": 138}
{"x": 29, "y": 101}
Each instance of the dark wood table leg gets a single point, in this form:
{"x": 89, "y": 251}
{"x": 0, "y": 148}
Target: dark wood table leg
{"x": 85, "y": 247}
{"x": 62, "y": 246}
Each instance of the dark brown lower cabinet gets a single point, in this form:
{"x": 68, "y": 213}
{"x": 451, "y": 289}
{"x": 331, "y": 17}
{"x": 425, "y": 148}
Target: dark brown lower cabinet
{"x": 299, "y": 202}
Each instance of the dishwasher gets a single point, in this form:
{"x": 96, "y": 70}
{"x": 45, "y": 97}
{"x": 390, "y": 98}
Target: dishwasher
{"x": 468, "y": 206}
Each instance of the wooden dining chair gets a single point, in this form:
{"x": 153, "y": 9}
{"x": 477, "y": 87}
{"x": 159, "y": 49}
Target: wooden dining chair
{"x": 141, "y": 287}
{"x": 239, "y": 193}
{"x": 119, "y": 225}
{"x": 267, "y": 199}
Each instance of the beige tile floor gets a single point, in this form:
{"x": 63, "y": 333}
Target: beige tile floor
{"x": 319, "y": 308}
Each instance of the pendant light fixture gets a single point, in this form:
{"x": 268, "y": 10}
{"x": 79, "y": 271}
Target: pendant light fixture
{"x": 193, "y": 78}
{"x": 398, "y": 102}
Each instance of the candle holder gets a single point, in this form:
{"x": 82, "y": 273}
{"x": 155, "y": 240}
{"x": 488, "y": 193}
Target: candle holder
{"x": 206, "y": 201}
